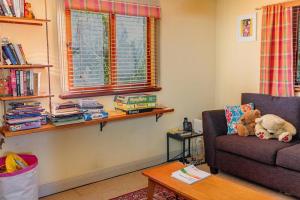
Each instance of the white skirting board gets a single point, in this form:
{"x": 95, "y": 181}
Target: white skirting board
{"x": 56, "y": 187}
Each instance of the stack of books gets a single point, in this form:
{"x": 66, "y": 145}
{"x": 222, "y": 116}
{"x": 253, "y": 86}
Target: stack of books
{"x": 190, "y": 175}
{"x": 25, "y": 115}
{"x": 12, "y": 8}
{"x": 66, "y": 113}
{"x": 133, "y": 104}
{"x": 19, "y": 82}
{"x": 12, "y": 54}
{"x": 92, "y": 109}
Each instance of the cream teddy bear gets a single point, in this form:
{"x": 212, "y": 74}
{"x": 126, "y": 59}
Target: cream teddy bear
{"x": 271, "y": 126}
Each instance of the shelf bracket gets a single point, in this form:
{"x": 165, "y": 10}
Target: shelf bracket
{"x": 102, "y": 125}
{"x": 158, "y": 116}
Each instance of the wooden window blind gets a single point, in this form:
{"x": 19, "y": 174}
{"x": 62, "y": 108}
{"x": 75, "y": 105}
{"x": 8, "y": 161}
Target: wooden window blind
{"x": 111, "y": 54}
{"x": 131, "y": 58}
{"x": 88, "y": 50}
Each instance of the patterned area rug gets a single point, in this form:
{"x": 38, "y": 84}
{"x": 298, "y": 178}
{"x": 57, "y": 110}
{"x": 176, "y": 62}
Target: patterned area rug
{"x": 160, "y": 194}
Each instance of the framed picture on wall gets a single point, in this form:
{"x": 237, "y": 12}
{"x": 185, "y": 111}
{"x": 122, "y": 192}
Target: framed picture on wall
{"x": 246, "y": 28}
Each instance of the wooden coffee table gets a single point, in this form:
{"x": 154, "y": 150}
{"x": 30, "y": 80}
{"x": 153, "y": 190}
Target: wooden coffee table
{"x": 211, "y": 188}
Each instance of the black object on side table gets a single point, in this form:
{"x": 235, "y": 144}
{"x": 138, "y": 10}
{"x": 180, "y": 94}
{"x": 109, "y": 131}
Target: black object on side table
{"x": 182, "y": 138}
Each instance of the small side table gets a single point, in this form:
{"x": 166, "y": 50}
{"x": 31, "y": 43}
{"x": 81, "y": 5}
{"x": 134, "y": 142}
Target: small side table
{"x": 181, "y": 138}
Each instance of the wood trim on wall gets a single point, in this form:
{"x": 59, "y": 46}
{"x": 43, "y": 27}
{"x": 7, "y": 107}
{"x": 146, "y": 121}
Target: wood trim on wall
{"x": 292, "y": 3}
{"x": 107, "y": 93}
{"x": 286, "y": 4}
{"x": 69, "y": 48}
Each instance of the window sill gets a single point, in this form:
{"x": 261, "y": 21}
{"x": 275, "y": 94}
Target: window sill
{"x": 73, "y": 95}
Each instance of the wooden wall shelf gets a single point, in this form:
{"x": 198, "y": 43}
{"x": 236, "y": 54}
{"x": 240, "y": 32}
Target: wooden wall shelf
{"x": 35, "y": 66}
{"x": 50, "y": 127}
{"x": 25, "y": 21}
{"x": 24, "y": 97}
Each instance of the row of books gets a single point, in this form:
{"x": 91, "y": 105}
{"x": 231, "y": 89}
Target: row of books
{"x": 25, "y": 115}
{"x": 12, "y": 8}
{"x": 92, "y": 109}
{"x": 70, "y": 112}
{"x": 20, "y": 82}
{"x": 13, "y": 54}
{"x": 66, "y": 113}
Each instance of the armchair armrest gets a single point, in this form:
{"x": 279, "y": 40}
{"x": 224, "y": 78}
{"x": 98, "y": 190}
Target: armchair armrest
{"x": 214, "y": 125}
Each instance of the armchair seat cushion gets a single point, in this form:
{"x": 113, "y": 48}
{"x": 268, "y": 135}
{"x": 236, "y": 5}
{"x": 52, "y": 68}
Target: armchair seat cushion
{"x": 289, "y": 158}
{"x": 263, "y": 151}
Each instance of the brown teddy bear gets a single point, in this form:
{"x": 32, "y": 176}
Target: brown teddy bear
{"x": 246, "y": 125}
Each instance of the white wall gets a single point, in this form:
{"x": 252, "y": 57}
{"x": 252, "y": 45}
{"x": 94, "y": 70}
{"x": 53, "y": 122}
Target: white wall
{"x": 187, "y": 78}
{"x": 237, "y": 63}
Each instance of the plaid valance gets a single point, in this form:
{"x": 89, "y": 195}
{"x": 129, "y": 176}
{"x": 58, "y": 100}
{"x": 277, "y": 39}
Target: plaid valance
{"x": 145, "y": 8}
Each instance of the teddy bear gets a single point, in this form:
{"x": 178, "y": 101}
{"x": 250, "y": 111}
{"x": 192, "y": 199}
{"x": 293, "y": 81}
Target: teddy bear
{"x": 246, "y": 125}
{"x": 272, "y": 126}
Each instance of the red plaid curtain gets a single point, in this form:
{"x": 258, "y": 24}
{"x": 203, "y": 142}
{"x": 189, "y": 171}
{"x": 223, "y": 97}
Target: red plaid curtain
{"x": 277, "y": 52}
{"x": 149, "y": 8}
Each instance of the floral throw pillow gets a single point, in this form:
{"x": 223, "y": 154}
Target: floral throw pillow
{"x": 233, "y": 115}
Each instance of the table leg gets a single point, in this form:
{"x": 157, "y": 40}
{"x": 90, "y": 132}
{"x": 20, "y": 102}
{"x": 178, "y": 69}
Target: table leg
{"x": 168, "y": 149}
{"x": 183, "y": 151}
{"x": 189, "y": 148}
{"x": 151, "y": 187}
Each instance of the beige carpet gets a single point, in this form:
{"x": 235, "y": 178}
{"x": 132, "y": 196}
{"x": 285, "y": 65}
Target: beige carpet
{"x": 131, "y": 182}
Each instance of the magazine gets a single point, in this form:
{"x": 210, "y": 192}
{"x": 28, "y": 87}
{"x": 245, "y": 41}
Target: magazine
{"x": 190, "y": 175}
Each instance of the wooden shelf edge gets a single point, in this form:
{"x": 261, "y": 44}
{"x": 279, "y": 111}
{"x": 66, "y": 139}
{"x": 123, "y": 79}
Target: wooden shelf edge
{"x": 24, "y": 97}
{"x": 25, "y": 21}
{"x": 51, "y": 127}
{"x": 34, "y": 66}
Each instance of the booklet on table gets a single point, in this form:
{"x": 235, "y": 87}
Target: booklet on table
{"x": 190, "y": 175}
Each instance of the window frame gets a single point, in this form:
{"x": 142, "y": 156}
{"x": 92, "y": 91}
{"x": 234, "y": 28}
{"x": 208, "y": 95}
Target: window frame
{"x": 112, "y": 88}
{"x": 295, "y": 27}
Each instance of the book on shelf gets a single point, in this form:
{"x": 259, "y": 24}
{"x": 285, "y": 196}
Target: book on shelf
{"x": 135, "y": 99}
{"x": 19, "y": 82}
{"x": 5, "y": 7}
{"x": 190, "y": 175}
{"x": 12, "y": 54}
{"x": 19, "y": 54}
{"x": 6, "y": 60}
{"x": 8, "y": 53}
{"x": 135, "y": 103}
{"x": 12, "y": 8}
{"x": 17, "y": 8}
{"x": 1, "y": 10}
{"x": 22, "y": 53}
{"x": 36, "y": 83}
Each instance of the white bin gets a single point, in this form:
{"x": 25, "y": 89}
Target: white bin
{"x": 21, "y": 185}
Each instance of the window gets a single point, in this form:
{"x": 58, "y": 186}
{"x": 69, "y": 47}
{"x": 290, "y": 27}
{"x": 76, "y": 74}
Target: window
{"x": 131, "y": 49}
{"x": 88, "y": 50}
{"x": 110, "y": 54}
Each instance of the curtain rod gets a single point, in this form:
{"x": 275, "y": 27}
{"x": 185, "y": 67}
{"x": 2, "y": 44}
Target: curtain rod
{"x": 286, "y": 4}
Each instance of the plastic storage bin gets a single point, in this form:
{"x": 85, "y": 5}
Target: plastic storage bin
{"x": 21, "y": 185}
